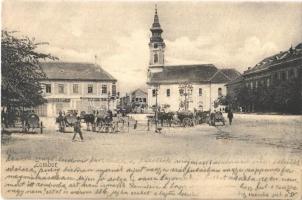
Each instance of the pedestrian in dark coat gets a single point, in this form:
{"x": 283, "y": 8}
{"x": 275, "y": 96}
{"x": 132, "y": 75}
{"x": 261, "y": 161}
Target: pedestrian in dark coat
{"x": 77, "y": 129}
{"x": 230, "y": 116}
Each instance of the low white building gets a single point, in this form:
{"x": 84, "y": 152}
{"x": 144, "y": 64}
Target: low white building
{"x": 182, "y": 86}
{"x": 76, "y": 86}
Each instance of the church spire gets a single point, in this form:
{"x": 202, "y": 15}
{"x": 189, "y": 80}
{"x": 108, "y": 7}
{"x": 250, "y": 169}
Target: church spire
{"x": 156, "y": 29}
{"x": 156, "y": 25}
{"x": 156, "y": 44}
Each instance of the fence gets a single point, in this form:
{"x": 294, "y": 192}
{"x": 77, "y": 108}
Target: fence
{"x": 132, "y": 124}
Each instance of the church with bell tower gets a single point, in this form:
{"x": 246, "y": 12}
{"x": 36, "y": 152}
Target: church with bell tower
{"x": 178, "y": 87}
{"x": 156, "y": 46}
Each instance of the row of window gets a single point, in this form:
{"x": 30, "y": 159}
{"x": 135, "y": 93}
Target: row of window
{"x": 285, "y": 75}
{"x": 168, "y": 92}
{"x": 137, "y": 99}
{"x": 256, "y": 83}
{"x": 75, "y": 89}
{"x": 277, "y": 76}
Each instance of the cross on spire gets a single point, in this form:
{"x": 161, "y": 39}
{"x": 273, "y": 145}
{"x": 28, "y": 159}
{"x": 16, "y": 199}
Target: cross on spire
{"x": 156, "y": 20}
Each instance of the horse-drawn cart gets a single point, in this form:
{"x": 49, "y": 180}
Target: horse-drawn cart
{"x": 186, "y": 118}
{"x": 67, "y": 121}
{"x": 31, "y": 121}
{"x": 202, "y": 117}
{"x": 181, "y": 118}
{"x": 105, "y": 122}
{"x": 215, "y": 118}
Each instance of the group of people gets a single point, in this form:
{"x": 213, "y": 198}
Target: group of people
{"x": 77, "y": 124}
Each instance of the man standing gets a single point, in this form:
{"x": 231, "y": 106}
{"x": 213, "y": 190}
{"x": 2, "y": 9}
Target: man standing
{"x": 61, "y": 122}
{"x": 77, "y": 129}
{"x": 230, "y": 116}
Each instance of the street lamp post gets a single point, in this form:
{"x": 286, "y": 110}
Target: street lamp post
{"x": 156, "y": 107}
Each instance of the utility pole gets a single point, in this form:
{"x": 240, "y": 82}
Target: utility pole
{"x": 210, "y": 96}
{"x": 108, "y": 100}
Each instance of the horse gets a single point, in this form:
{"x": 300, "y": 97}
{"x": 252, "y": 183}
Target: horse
{"x": 89, "y": 120}
{"x": 165, "y": 117}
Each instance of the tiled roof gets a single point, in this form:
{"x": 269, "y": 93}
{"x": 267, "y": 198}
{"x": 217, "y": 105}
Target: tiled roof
{"x": 236, "y": 80}
{"x": 193, "y": 74}
{"x": 293, "y": 55}
{"x": 75, "y": 71}
{"x": 219, "y": 77}
{"x": 231, "y": 73}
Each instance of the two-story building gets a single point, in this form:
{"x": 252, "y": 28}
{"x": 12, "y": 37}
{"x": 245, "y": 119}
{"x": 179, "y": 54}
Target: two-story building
{"x": 76, "y": 86}
{"x": 279, "y": 67}
{"x": 186, "y": 87}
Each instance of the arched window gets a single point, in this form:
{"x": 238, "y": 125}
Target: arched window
{"x": 200, "y": 92}
{"x": 155, "y": 58}
{"x": 219, "y": 92}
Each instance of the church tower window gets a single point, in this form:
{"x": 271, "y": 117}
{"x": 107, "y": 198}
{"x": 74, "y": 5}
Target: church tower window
{"x": 219, "y": 92}
{"x": 155, "y": 58}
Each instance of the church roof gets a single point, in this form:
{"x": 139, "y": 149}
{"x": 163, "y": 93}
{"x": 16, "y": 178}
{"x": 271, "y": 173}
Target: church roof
{"x": 192, "y": 73}
{"x": 75, "y": 71}
{"x": 293, "y": 55}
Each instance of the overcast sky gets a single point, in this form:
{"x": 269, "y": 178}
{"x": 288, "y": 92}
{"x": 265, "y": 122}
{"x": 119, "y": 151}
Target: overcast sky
{"x": 227, "y": 34}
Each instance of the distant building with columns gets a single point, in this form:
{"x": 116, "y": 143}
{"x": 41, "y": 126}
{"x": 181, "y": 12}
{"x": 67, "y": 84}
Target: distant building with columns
{"x": 182, "y": 86}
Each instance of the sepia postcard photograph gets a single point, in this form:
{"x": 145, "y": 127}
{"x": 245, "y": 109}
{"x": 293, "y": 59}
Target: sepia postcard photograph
{"x": 151, "y": 100}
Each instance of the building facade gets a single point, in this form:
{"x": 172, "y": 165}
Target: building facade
{"x": 182, "y": 86}
{"x": 280, "y": 67}
{"x": 269, "y": 74}
{"x": 76, "y": 86}
{"x": 136, "y": 101}
{"x": 139, "y": 96}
